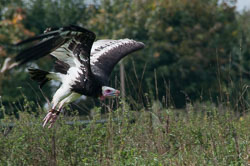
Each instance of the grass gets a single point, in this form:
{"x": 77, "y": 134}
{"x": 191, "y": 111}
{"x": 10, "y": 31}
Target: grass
{"x": 155, "y": 136}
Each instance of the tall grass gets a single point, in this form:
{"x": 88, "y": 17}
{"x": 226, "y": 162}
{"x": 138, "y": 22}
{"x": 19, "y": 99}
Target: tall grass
{"x": 202, "y": 135}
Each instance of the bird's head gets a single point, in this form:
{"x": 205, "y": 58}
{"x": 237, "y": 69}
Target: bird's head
{"x": 108, "y": 92}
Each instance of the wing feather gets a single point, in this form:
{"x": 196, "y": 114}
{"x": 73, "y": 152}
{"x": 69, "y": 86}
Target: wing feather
{"x": 70, "y": 45}
{"x": 105, "y": 54}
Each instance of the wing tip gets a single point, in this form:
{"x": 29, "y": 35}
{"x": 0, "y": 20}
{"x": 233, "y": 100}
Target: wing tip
{"x": 138, "y": 44}
{"x": 141, "y": 45}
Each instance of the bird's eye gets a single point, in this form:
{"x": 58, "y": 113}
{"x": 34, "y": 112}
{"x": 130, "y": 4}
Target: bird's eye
{"x": 108, "y": 91}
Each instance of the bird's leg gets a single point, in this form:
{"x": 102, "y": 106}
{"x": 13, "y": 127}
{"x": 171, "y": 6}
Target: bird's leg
{"x": 49, "y": 116}
{"x": 72, "y": 97}
{"x": 54, "y": 117}
{"x": 53, "y": 113}
{"x": 60, "y": 95}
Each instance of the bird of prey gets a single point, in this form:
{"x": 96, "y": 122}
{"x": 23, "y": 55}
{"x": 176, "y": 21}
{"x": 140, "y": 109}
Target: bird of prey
{"x": 82, "y": 66}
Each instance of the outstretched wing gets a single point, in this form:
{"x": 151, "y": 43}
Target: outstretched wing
{"x": 105, "y": 54}
{"x": 71, "y": 45}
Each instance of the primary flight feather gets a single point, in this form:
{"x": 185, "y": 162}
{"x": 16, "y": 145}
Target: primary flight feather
{"x": 82, "y": 66}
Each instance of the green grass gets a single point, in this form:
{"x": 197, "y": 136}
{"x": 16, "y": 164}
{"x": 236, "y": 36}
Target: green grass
{"x": 156, "y": 136}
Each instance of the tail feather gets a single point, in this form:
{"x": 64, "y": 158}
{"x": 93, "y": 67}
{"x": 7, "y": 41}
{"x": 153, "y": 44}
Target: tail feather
{"x": 40, "y": 76}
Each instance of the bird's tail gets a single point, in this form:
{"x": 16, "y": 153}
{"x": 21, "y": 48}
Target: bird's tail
{"x": 40, "y": 76}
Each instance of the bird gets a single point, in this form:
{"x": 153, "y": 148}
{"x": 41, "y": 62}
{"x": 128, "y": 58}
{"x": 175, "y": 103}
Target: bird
{"x": 82, "y": 65}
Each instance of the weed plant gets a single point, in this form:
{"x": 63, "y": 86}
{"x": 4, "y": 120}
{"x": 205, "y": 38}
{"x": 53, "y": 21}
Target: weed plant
{"x": 197, "y": 135}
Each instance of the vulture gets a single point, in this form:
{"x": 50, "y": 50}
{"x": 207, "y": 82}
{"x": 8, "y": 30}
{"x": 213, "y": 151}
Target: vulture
{"x": 82, "y": 65}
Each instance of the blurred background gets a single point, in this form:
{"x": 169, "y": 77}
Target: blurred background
{"x": 197, "y": 51}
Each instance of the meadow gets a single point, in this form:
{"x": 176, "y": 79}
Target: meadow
{"x": 197, "y": 135}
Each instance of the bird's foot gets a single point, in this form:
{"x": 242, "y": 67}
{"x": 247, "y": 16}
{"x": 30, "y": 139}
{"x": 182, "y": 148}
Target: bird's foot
{"x": 51, "y": 117}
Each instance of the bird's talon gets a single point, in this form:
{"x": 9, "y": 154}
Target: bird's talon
{"x": 53, "y": 120}
{"x": 51, "y": 117}
{"x": 47, "y": 116}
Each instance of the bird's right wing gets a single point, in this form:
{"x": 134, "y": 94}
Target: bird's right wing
{"x": 71, "y": 45}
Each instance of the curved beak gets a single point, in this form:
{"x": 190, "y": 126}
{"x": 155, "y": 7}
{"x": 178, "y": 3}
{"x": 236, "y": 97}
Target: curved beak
{"x": 117, "y": 92}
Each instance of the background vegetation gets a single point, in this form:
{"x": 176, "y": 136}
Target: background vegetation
{"x": 187, "y": 97}
{"x": 195, "y": 49}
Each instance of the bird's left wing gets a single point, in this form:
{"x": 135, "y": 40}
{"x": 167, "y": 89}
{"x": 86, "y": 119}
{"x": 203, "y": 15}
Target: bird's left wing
{"x": 105, "y": 54}
{"x": 67, "y": 44}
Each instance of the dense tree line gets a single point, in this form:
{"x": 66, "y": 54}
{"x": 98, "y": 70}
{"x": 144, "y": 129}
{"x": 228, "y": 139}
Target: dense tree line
{"x": 196, "y": 50}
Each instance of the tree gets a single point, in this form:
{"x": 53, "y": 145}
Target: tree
{"x": 12, "y": 30}
{"x": 190, "y": 44}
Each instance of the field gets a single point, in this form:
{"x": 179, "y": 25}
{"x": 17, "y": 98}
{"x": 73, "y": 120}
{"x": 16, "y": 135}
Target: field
{"x": 200, "y": 135}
